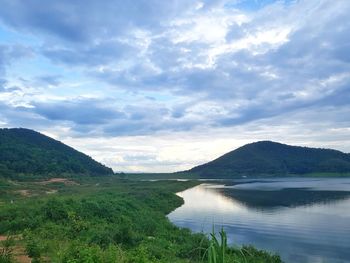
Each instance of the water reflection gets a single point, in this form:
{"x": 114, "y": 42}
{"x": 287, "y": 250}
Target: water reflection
{"x": 300, "y": 224}
{"x": 262, "y": 199}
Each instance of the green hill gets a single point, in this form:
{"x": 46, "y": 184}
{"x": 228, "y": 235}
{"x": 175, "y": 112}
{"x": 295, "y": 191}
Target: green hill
{"x": 275, "y": 159}
{"x": 26, "y": 152}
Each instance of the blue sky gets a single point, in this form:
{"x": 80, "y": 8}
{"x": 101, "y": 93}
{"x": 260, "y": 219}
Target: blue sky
{"x": 156, "y": 86}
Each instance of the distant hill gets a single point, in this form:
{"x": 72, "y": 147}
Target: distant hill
{"x": 272, "y": 158}
{"x": 26, "y": 152}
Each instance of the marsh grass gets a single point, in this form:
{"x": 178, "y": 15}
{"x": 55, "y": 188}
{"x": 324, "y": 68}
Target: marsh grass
{"x": 218, "y": 251}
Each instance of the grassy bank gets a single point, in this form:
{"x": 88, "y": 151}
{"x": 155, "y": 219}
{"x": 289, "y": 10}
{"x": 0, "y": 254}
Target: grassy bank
{"x": 158, "y": 176}
{"x": 101, "y": 220}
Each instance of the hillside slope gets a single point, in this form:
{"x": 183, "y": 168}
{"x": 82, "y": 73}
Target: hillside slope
{"x": 271, "y": 158}
{"x": 27, "y": 152}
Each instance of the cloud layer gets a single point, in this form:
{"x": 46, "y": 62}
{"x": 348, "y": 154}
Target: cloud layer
{"x": 238, "y": 71}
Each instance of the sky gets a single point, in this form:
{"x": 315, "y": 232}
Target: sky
{"x": 162, "y": 86}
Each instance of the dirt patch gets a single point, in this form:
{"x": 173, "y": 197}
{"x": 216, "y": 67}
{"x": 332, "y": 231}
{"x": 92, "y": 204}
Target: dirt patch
{"x": 24, "y": 192}
{"x": 52, "y": 191}
{"x": 58, "y": 180}
{"x": 14, "y": 237}
{"x": 23, "y": 259}
{"x": 20, "y": 255}
{"x": 18, "y": 251}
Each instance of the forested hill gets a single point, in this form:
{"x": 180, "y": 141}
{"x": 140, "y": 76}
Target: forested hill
{"x": 26, "y": 152}
{"x": 272, "y": 158}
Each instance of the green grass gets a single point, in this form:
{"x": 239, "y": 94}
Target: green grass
{"x": 217, "y": 249}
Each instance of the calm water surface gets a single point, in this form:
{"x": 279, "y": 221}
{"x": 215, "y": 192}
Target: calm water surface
{"x": 303, "y": 220}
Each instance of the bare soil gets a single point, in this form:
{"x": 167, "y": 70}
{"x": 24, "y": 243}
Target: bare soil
{"x": 58, "y": 180}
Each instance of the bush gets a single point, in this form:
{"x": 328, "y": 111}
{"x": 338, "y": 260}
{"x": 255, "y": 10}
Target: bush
{"x": 33, "y": 250}
{"x": 82, "y": 253}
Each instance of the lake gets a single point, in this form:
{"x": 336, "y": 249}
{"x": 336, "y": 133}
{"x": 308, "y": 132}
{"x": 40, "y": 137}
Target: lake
{"x": 303, "y": 220}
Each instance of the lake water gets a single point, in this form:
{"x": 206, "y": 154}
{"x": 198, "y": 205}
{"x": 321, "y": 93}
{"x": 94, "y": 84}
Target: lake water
{"x": 303, "y": 220}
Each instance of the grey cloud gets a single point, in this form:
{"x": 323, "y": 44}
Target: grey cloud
{"x": 92, "y": 116}
{"x": 13, "y": 88}
{"x": 147, "y": 127}
{"x": 18, "y": 116}
{"x": 95, "y": 54}
{"x": 314, "y": 53}
{"x": 179, "y": 110}
{"x": 88, "y": 32}
{"x": 2, "y": 84}
{"x": 339, "y": 97}
{"x": 139, "y": 77}
{"x": 53, "y": 80}
{"x": 138, "y": 113}
{"x": 9, "y": 53}
{"x": 145, "y": 119}
{"x": 81, "y": 112}
{"x": 80, "y": 20}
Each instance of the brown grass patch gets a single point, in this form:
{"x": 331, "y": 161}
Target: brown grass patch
{"x": 24, "y": 192}
{"x": 23, "y": 259}
{"x": 58, "y": 180}
{"x": 52, "y": 191}
{"x": 18, "y": 251}
{"x": 20, "y": 255}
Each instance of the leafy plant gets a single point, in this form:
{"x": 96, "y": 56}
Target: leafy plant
{"x": 217, "y": 249}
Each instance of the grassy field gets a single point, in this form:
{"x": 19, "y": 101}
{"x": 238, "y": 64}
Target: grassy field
{"x": 101, "y": 220}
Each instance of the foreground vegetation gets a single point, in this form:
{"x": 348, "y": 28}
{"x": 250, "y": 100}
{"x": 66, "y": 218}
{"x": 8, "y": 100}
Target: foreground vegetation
{"x": 102, "y": 220}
